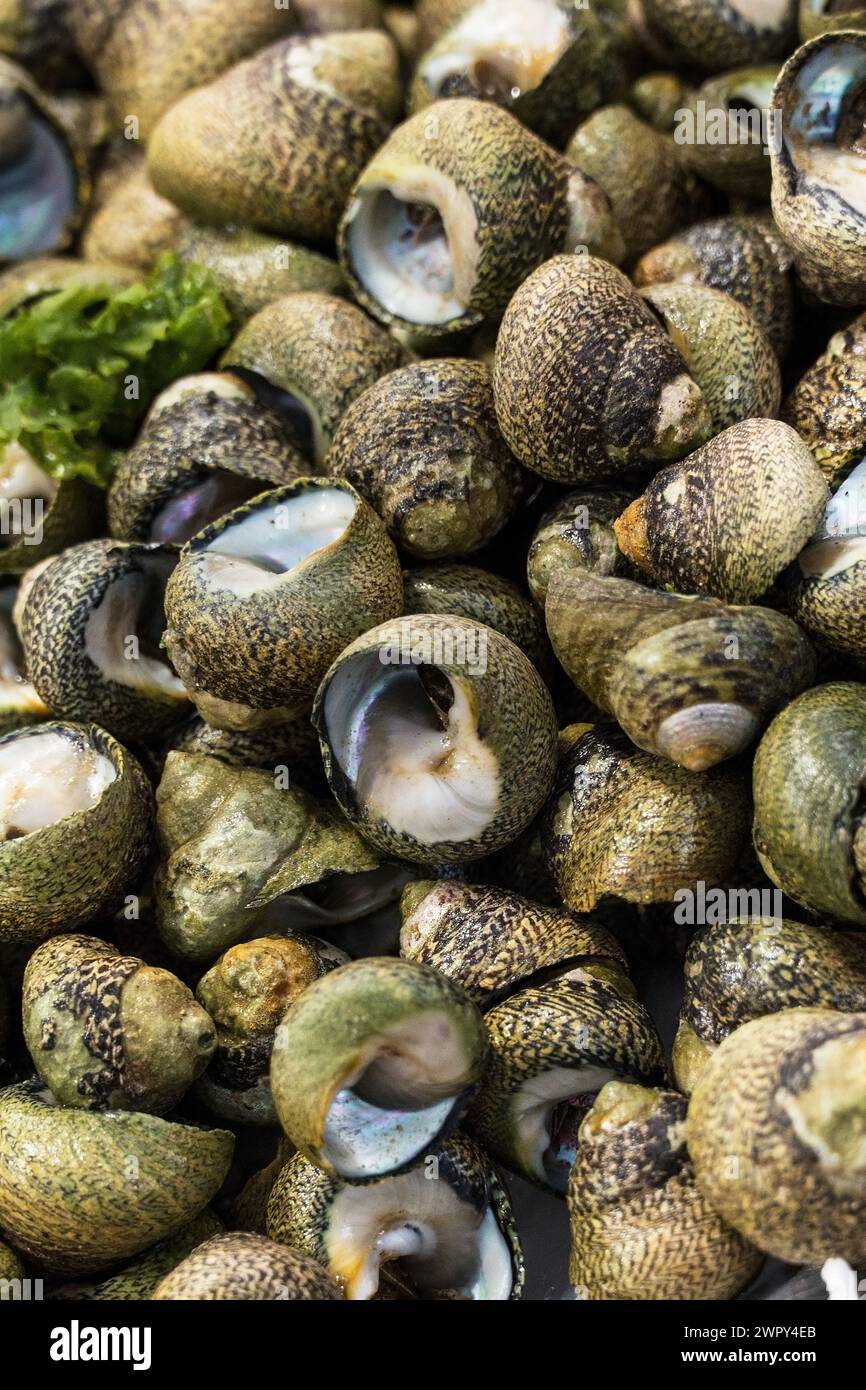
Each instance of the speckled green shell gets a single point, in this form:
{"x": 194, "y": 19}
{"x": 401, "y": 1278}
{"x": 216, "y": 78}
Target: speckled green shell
{"x": 739, "y": 167}
{"x": 622, "y": 823}
{"x": 130, "y": 223}
{"x": 586, "y": 1018}
{"x": 826, "y": 234}
{"x": 515, "y": 717}
{"x": 737, "y": 971}
{"x": 241, "y": 1266}
{"x": 187, "y": 441}
{"x": 277, "y": 141}
{"x": 729, "y": 518}
{"x": 587, "y": 383}
{"x": 58, "y": 608}
{"x": 37, "y": 33}
{"x": 725, "y": 349}
{"x": 341, "y": 1021}
{"x": 827, "y": 407}
{"x": 80, "y": 1190}
{"x": 139, "y": 1278}
{"x": 270, "y": 649}
{"x": 79, "y": 867}
{"x": 294, "y": 745}
{"x": 775, "y": 1130}
{"x": 658, "y": 96}
{"x": 232, "y": 840}
{"x": 299, "y": 1209}
{"x": 483, "y": 597}
{"x": 147, "y": 55}
{"x": 514, "y": 186}
{"x": 744, "y": 256}
{"x": 807, "y": 785}
{"x": 30, "y": 280}
{"x": 246, "y": 994}
{"x": 823, "y": 16}
{"x": 652, "y": 191}
{"x": 641, "y": 1228}
{"x": 488, "y": 940}
{"x": 252, "y": 269}
{"x": 833, "y": 609}
{"x": 424, "y": 448}
{"x": 577, "y": 533}
{"x": 107, "y": 1032}
{"x": 19, "y": 703}
{"x": 320, "y": 349}
{"x": 717, "y": 34}
{"x": 647, "y": 658}
{"x": 10, "y": 1265}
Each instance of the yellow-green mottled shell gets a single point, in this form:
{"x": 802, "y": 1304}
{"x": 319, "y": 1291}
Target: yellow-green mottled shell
{"x": 139, "y": 1278}
{"x": 823, "y": 16}
{"x": 620, "y": 822}
{"x": 744, "y": 256}
{"x": 576, "y": 533}
{"x": 78, "y": 867}
{"x": 147, "y": 55}
{"x": 738, "y": 165}
{"x": 720, "y": 34}
{"x": 651, "y": 189}
{"x": 342, "y": 1023}
{"x": 739, "y": 970}
{"x": 775, "y": 1131}
{"x": 107, "y": 1032}
{"x": 504, "y": 192}
{"x": 81, "y": 1189}
{"x": 584, "y": 1027}
{"x": 691, "y": 679}
{"x": 277, "y": 141}
{"x": 807, "y": 785}
{"x": 658, "y": 96}
{"x": 827, "y": 407}
{"x": 251, "y": 269}
{"x": 131, "y": 225}
{"x": 587, "y": 383}
{"x": 73, "y": 514}
{"x": 483, "y": 597}
{"x": 232, "y": 840}
{"x": 184, "y": 444}
{"x": 725, "y": 349}
{"x": 240, "y": 1266}
{"x": 487, "y": 939}
{"x": 641, "y": 1227}
{"x": 320, "y": 349}
{"x": 59, "y": 630}
{"x": 268, "y": 650}
{"x": 423, "y": 446}
{"x": 729, "y": 518}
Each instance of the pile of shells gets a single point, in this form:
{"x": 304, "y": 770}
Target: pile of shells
{"x": 433, "y": 764}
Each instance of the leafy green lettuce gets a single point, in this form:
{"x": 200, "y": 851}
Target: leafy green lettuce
{"x": 78, "y": 368}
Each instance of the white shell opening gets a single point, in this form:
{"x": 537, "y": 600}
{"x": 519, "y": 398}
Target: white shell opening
{"x": 413, "y": 244}
{"x": 440, "y": 1241}
{"x": 222, "y": 384}
{"x": 425, "y": 774}
{"x": 260, "y": 549}
{"x": 47, "y": 776}
{"x": 501, "y": 48}
{"x": 399, "y": 1099}
{"x": 122, "y": 634}
{"x": 533, "y": 1108}
{"x": 823, "y": 130}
